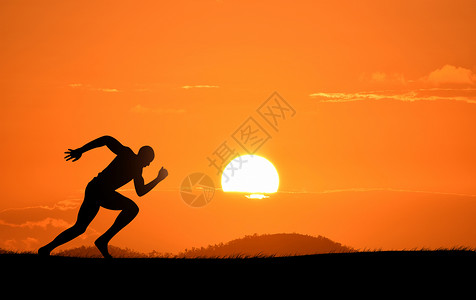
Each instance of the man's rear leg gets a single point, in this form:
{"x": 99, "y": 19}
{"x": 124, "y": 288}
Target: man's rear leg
{"x": 86, "y": 214}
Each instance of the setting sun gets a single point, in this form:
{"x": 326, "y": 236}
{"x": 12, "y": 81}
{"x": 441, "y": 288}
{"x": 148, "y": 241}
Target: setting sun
{"x": 251, "y": 174}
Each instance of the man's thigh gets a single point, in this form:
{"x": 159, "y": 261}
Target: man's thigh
{"x": 116, "y": 201}
{"x": 88, "y": 210}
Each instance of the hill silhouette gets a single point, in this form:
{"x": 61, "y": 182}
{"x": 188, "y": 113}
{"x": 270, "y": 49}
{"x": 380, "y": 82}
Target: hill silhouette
{"x": 281, "y": 244}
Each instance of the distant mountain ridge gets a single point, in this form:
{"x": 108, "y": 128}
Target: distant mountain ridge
{"x": 280, "y": 244}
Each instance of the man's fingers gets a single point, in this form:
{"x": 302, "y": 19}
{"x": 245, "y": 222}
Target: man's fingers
{"x": 70, "y": 155}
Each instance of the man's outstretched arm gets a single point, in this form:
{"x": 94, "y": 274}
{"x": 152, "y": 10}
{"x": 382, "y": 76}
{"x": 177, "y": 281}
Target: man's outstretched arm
{"x": 142, "y": 189}
{"x": 106, "y": 140}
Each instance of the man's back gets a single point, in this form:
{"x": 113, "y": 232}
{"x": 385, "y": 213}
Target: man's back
{"x": 120, "y": 171}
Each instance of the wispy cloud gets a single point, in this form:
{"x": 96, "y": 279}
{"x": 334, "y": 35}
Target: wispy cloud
{"x": 446, "y": 83}
{"x": 446, "y": 76}
{"x": 23, "y": 217}
{"x": 140, "y": 109}
{"x": 92, "y": 88}
{"x": 379, "y": 189}
{"x": 434, "y": 94}
{"x": 60, "y": 223}
{"x": 75, "y": 85}
{"x": 199, "y": 86}
{"x": 451, "y": 75}
{"x": 106, "y": 90}
{"x": 62, "y": 205}
{"x": 395, "y": 190}
{"x": 38, "y": 216}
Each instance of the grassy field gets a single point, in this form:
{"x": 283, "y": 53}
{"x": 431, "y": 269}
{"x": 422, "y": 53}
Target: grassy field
{"x": 360, "y": 273}
{"x": 389, "y": 260}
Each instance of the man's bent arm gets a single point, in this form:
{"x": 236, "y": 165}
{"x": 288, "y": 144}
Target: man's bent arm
{"x": 106, "y": 140}
{"x": 142, "y": 189}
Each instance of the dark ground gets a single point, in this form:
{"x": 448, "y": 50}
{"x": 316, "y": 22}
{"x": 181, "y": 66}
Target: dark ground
{"x": 394, "y": 272}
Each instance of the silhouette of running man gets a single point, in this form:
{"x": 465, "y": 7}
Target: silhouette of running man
{"x": 101, "y": 191}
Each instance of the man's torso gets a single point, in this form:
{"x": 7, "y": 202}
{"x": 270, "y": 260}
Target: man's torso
{"x": 120, "y": 171}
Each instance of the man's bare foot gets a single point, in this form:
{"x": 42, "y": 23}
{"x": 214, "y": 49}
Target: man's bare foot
{"x": 102, "y": 246}
{"x": 44, "y": 251}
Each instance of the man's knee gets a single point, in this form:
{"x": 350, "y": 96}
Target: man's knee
{"x": 133, "y": 209}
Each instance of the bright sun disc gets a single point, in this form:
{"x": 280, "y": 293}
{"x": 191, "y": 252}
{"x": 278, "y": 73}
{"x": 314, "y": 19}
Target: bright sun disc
{"x": 250, "y": 174}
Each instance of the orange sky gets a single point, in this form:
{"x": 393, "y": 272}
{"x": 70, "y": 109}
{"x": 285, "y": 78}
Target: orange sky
{"x": 384, "y": 94}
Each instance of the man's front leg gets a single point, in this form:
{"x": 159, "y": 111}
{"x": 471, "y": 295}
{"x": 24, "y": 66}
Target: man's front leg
{"x": 122, "y": 220}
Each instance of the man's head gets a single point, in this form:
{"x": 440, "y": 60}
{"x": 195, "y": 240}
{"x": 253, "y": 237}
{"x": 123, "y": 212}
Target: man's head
{"x": 146, "y": 155}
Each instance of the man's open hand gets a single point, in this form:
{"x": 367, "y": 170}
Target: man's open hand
{"x": 162, "y": 173}
{"x": 73, "y": 154}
